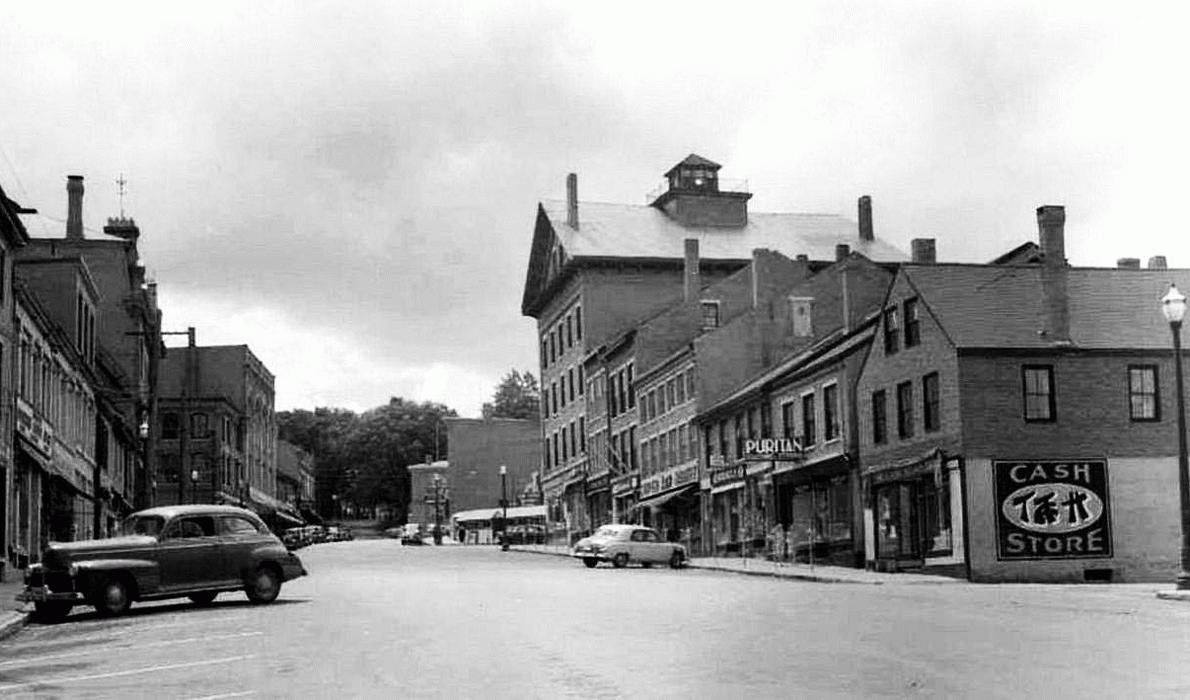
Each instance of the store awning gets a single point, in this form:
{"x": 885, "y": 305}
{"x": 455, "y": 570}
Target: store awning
{"x": 667, "y": 498}
{"x": 287, "y": 520}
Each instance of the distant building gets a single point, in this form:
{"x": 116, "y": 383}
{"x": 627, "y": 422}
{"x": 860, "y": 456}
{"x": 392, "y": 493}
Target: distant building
{"x": 429, "y": 494}
{"x": 478, "y": 447}
{"x": 295, "y": 478}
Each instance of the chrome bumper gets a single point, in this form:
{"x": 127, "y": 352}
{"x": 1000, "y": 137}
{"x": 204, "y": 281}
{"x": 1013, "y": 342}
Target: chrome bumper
{"x": 41, "y": 594}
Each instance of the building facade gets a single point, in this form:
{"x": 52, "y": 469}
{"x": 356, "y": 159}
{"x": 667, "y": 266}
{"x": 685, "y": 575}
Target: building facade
{"x": 13, "y": 235}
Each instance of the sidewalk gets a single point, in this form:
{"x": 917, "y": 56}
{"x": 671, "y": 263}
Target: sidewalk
{"x": 12, "y": 614}
{"x": 762, "y": 567}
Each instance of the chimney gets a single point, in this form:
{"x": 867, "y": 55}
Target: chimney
{"x": 1051, "y": 222}
{"x": 865, "y": 219}
{"x": 1128, "y": 263}
{"x": 924, "y": 250}
{"x": 802, "y": 257}
{"x": 692, "y": 286}
{"x": 1157, "y": 262}
{"x": 842, "y": 250}
{"x": 74, "y": 207}
{"x": 572, "y": 201}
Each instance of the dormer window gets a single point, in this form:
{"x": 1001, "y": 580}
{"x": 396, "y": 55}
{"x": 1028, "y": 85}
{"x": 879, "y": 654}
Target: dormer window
{"x": 710, "y": 314}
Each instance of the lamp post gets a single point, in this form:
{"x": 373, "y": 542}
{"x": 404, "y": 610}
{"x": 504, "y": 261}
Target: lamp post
{"x": 504, "y": 505}
{"x": 1173, "y": 305}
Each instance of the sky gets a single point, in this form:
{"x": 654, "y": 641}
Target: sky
{"x": 350, "y": 188}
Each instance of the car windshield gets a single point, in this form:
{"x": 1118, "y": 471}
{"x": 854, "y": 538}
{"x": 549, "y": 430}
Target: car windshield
{"x": 142, "y": 525}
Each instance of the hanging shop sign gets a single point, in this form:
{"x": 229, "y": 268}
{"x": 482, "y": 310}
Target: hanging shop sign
{"x": 726, "y": 475}
{"x": 599, "y": 483}
{"x": 779, "y": 449}
{"x": 35, "y": 429}
{"x": 1052, "y": 509}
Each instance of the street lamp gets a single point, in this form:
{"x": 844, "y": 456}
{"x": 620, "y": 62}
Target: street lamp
{"x": 504, "y": 505}
{"x": 1173, "y": 305}
{"x": 194, "y": 486}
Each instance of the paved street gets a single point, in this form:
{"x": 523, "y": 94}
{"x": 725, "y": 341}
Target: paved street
{"x": 376, "y": 620}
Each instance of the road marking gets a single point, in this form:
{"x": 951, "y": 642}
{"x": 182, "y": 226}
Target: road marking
{"x": 117, "y": 674}
{"x": 125, "y": 647}
{"x": 129, "y": 626}
{"x": 226, "y": 695}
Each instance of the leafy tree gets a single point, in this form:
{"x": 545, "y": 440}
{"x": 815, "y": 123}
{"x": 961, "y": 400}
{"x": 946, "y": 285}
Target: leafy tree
{"x": 517, "y": 396}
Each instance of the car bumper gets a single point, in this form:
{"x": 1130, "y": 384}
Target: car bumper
{"x": 293, "y": 569}
{"x": 601, "y": 556}
{"x": 41, "y": 594}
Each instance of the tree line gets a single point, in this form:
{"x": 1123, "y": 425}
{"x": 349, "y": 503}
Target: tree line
{"x": 362, "y": 458}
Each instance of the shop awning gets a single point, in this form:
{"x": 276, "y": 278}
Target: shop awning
{"x": 667, "y": 498}
{"x": 287, "y": 520}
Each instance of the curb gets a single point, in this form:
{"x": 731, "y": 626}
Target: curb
{"x": 1183, "y": 596}
{"x": 12, "y": 624}
{"x": 794, "y": 576}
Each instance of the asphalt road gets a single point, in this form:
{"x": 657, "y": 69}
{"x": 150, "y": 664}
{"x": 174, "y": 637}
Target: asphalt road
{"x": 377, "y": 620}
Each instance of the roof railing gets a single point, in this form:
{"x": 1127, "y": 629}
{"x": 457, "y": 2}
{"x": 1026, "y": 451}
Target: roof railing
{"x": 725, "y": 185}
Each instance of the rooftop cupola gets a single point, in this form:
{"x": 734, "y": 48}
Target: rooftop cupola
{"x": 694, "y": 196}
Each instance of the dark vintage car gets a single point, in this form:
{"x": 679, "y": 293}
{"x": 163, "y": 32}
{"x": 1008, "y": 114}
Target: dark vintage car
{"x": 194, "y": 552}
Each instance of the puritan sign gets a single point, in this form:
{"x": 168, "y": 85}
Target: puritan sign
{"x": 1052, "y": 509}
{"x": 780, "y": 449}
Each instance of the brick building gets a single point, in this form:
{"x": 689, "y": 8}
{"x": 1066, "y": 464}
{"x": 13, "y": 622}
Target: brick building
{"x": 13, "y": 235}
{"x": 1018, "y": 422}
{"x": 596, "y": 270}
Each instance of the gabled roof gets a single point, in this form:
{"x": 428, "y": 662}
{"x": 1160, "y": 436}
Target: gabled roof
{"x": 695, "y": 161}
{"x": 982, "y": 306}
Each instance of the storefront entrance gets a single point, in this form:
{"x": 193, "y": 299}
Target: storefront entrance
{"x": 912, "y": 521}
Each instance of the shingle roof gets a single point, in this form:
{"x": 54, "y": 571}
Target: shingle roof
{"x": 1002, "y": 306}
{"x": 640, "y": 231}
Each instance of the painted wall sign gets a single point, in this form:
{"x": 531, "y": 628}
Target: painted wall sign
{"x": 668, "y": 479}
{"x": 1052, "y": 509}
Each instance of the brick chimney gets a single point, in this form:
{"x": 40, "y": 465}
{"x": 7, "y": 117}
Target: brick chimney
{"x": 1051, "y": 224}
{"x": 74, "y": 207}
{"x": 865, "y": 219}
{"x": 842, "y": 250}
{"x": 924, "y": 250}
{"x": 572, "y": 201}
{"x": 1157, "y": 262}
{"x": 692, "y": 286}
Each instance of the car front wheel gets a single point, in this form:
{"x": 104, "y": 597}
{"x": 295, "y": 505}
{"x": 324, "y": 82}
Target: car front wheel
{"x": 264, "y": 586}
{"x": 676, "y": 560}
{"x": 590, "y": 562}
{"x": 114, "y": 598}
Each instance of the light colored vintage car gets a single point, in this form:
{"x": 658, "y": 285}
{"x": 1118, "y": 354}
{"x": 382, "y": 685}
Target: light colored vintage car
{"x": 626, "y": 544}
{"x": 192, "y": 551}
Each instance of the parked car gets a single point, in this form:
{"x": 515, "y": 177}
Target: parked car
{"x": 626, "y": 544}
{"x": 195, "y": 552}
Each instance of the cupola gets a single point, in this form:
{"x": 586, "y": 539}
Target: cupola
{"x": 693, "y": 195}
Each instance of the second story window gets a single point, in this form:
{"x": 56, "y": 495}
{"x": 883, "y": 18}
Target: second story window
{"x": 830, "y": 412}
{"x": 578, "y": 322}
{"x": 787, "y": 420}
{"x": 169, "y": 426}
{"x": 1038, "y": 383}
{"x": 879, "y": 417}
{"x": 912, "y": 323}
{"x": 905, "y": 410}
{"x": 809, "y": 431}
{"x": 1143, "y": 403}
{"x": 198, "y": 425}
{"x": 931, "y": 414}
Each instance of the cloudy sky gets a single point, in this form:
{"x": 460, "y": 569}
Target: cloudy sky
{"x": 350, "y": 188}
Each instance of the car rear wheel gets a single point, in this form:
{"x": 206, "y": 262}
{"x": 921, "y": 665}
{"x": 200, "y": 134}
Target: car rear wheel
{"x": 620, "y": 560}
{"x": 114, "y": 598}
{"x": 590, "y": 562}
{"x": 203, "y": 598}
{"x": 264, "y": 586}
{"x": 676, "y": 560}
{"x": 52, "y": 611}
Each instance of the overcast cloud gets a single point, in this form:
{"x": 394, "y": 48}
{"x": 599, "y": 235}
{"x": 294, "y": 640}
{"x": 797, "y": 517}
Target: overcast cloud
{"x": 350, "y": 188}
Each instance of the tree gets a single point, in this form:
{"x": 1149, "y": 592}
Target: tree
{"x": 517, "y": 396}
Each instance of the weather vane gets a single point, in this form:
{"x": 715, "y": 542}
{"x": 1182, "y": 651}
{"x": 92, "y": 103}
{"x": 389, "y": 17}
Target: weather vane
{"x": 120, "y": 182}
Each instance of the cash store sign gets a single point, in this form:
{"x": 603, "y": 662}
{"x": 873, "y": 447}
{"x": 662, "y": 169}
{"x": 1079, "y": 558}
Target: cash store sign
{"x": 1052, "y": 509}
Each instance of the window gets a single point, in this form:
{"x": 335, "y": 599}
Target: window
{"x": 931, "y": 417}
{"x": 710, "y": 315}
{"x": 809, "y": 431}
{"x": 879, "y": 417}
{"x": 681, "y": 387}
{"x": 739, "y": 436}
{"x": 569, "y": 331}
{"x": 905, "y": 410}
{"x": 545, "y": 354}
{"x": 690, "y": 392}
{"x": 557, "y": 451}
{"x": 632, "y": 448}
{"x": 170, "y": 426}
{"x": 570, "y": 375}
{"x": 573, "y": 439}
{"x": 671, "y": 393}
{"x": 891, "y": 330}
{"x": 554, "y": 396}
{"x": 766, "y": 420}
{"x": 801, "y": 316}
{"x": 236, "y": 525}
{"x": 611, "y": 395}
{"x": 582, "y": 434}
{"x": 553, "y": 348}
{"x": 198, "y": 425}
{"x": 723, "y": 438}
{"x": 912, "y": 323}
{"x": 787, "y": 420}
{"x": 631, "y": 389}
{"x": 830, "y": 412}
{"x": 581, "y": 381}
{"x": 1143, "y": 403}
{"x": 1039, "y": 392}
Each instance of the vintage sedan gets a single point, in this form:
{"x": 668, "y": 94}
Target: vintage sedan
{"x": 194, "y": 551}
{"x": 625, "y": 544}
